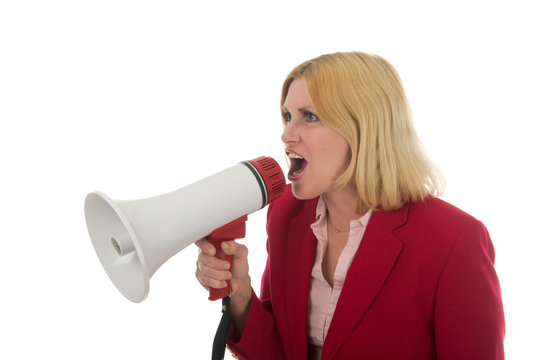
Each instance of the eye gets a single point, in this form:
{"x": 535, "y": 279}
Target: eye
{"x": 310, "y": 117}
{"x": 286, "y": 116}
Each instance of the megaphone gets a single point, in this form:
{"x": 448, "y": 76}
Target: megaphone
{"x": 134, "y": 238}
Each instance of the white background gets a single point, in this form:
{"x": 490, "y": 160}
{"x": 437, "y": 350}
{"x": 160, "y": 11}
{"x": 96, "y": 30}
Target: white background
{"x": 137, "y": 98}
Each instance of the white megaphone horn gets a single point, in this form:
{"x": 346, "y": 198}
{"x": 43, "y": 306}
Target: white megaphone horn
{"x": 134, "y": 238}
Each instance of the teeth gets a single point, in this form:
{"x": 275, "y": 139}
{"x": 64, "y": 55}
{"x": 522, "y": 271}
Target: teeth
{"x": 294, "y": 156}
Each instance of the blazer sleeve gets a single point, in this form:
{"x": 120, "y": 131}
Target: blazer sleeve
{"x": 468, "y": 317}
{"x": 260, "y": 338}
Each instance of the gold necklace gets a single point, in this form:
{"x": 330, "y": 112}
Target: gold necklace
{"x": 335, "y": 229}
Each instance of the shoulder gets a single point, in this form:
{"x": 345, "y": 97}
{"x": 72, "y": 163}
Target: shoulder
{"x": 287, "y": 204}
{"x": 438, "y": 206}
{"x": 436, "y": 224}
{"x": 287, "y": 207}
{"x": 438, "y": 213}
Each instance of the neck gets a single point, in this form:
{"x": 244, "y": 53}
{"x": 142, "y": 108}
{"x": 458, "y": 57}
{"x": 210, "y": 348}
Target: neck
{"x": 341, "y": 206}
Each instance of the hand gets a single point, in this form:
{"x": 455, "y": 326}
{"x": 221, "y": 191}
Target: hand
{"x": 213, "y": 272}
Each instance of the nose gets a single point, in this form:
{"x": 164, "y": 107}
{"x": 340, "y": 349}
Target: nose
{"x": 290, "y": 133}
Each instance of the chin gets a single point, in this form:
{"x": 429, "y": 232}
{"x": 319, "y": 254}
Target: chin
{"x": 301, "y": 193}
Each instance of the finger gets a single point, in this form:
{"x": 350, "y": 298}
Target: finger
{"x": 197, "y": 276}
{"x": 212, "y": 262}
{"x": 235, "y": 249}
{"x": 210, "y": 283}
{"x": 205, "y": 247}
{"x": 213, "y": 278}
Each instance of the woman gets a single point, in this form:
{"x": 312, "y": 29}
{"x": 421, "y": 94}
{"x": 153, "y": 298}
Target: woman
{"x": 364, "y": 261}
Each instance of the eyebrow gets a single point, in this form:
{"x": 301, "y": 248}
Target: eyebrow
{"x": 301, "y": 109}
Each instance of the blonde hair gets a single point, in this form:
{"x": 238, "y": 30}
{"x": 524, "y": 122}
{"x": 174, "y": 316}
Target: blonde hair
{"x": 360, "y": 96}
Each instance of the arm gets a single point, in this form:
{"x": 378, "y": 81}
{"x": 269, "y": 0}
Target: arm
{"x": 254, "y": 334}
{"x": 469, "y": 318}
{"x": 260, "y": 338}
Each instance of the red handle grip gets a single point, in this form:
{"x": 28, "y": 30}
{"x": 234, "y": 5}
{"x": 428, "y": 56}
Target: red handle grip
{"x": 236, "y": 229}
{"x": 216, "y": 294}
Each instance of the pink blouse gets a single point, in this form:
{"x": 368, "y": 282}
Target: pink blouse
{"x": 322, "y": 297}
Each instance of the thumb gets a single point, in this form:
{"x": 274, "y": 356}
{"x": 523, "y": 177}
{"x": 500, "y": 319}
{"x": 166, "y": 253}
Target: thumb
{"x": 233, "y": 248}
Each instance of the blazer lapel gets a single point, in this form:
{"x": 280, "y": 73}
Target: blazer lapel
{"x": 372, "y": 264}
{"x": 301, "y": 246}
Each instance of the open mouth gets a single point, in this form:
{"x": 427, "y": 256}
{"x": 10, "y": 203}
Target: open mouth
{"x": 298, "y": 166}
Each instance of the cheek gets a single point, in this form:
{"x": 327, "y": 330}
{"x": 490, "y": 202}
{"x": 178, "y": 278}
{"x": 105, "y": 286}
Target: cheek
{"x": 334, "y": 151}
{"x": 342, "y": 154}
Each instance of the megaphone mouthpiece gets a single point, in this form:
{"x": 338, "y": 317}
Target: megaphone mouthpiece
{"x": 269, "y": 176}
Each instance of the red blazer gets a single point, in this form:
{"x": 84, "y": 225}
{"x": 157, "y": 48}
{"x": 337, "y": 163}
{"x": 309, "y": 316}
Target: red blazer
{"x": 421, "y": 286}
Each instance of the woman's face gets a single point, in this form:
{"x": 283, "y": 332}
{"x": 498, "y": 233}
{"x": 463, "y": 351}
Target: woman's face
{"x": 317, "y": 154}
